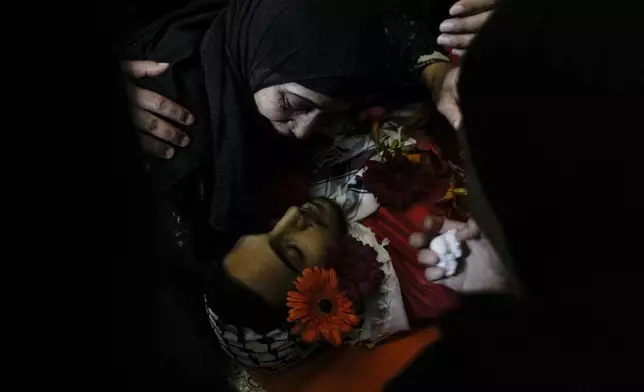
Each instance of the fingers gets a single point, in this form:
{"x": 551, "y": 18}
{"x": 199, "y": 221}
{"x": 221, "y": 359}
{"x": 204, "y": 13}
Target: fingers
{"x": 157, "y": 103}
{"x": 458, "y": 52}
{"x": 139, "y": 69}
{"x": 419, "y": 240}
{"x": 159, "y": 136}
{"x": 452, "y": 225}
{"x": 447, "y": 103}
{"x": 435, "y": 226}
{"x": 427, "y": 257}
{"x": 434, "y": 273}
{"x": 468, "y": 24}
{"x": 469, "y": 17}
{"x": 465, "y": 7}
{"x": 155, "y": 146}
{"x": 469, "y": 231}
{"x": 457, "y": 41}
{"x": 432, "y": 226}
{"x": 449, "y": 108}
{"x": 151, "y": 124}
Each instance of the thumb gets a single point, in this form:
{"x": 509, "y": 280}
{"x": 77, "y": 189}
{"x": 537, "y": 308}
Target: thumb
{"x": 139, "y": 69}
{"x": 450, "y": 109}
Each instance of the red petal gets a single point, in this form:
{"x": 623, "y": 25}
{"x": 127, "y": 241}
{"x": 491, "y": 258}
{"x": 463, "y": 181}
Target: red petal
{"x": 326, "y": 334}
{"x": 295, "y": 314}
{"x": 333, "y": 279}
{"x": 352, "y": 319}
{"x": 310, "y": 335}
{"x": 335, "y": 336}
{"x": 325, "y": 275}
{"x": 294, "y": 296}
{"x": 301, "y": 285}
{"x": 319, "y": 280}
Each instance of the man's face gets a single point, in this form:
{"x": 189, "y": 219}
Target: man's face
{"x": 269, "y": 263}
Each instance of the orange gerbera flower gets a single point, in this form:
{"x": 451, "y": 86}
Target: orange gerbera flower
{"x": 319, "y": 309}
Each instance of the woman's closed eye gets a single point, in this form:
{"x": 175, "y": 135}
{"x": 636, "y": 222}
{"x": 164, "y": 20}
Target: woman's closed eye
{"x": 295, "y": 104}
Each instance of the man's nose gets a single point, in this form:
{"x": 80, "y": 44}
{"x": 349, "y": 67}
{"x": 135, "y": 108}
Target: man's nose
{"x": 288, "y": 222}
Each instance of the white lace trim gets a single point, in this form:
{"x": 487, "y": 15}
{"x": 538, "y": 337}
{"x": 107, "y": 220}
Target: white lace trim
{"x": 384, "y": 312}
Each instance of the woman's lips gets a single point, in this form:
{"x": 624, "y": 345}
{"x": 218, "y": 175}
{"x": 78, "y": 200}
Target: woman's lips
{"x": 283, "y": 129}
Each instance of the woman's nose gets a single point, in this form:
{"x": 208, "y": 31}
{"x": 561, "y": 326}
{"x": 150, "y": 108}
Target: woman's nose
{"x": 305, "y": 124}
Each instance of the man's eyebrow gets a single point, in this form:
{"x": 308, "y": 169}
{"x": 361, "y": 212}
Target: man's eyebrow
{"x": 282, "y": 257}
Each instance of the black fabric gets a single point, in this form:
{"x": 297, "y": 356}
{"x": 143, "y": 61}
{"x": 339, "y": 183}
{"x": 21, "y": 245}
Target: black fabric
{"x": 157, "y": 342}
{"x": 220, "y": 53}
{"x": 278, "y": 41}
{"x": 551, "y": 91}
{"x": 133, "y": 15}
{"x": 528, "y": 83}
{"x": 219, "y": 56}
{"x": 176, "y": 39}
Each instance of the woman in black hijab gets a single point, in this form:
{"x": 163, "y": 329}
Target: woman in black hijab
{"x": 244, "y": 69}
{"x": 297, "y": 63}
{"x": 248, "y": 67}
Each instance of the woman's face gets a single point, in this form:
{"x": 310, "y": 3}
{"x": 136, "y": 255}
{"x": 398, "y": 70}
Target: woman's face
{"x": 294, "y": 110}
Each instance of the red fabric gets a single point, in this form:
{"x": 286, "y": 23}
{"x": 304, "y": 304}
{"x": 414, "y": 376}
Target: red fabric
{"x": 456, "y": 60}
{"x": 423, "y": 300}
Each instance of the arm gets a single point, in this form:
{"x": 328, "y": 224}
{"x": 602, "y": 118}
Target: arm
{"x": 155, "y": 85}
{"x": 413, "y": 42}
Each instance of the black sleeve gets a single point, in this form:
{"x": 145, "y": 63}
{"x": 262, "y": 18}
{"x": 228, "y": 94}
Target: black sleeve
{"x": 131, "y": 16}
{"x": 411, "y": 27}
{"x": 159, "y": 330}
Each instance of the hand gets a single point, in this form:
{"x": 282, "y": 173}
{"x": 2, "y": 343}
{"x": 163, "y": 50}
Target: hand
{"x": 469, "y": 17}
{"x": 446, "y": 98}
{"x": 158, "y": 137}
{"x": 481, "y": 270}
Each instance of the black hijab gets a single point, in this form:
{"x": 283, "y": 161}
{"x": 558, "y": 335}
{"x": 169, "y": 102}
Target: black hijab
{"x": 552, "y": 94}
{"x": 551, "y": 126}
{"x": 335, "y": 45}
{"x": 220, "y": 55}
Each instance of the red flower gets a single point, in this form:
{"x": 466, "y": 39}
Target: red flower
{"x": 397, "y": 182}
{"x": 319, "y": 309}
{"x": 357, "y": 267}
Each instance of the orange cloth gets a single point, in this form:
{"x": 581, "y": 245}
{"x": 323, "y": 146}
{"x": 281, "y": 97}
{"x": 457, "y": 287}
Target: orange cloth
{"x": 351, "y": 369}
